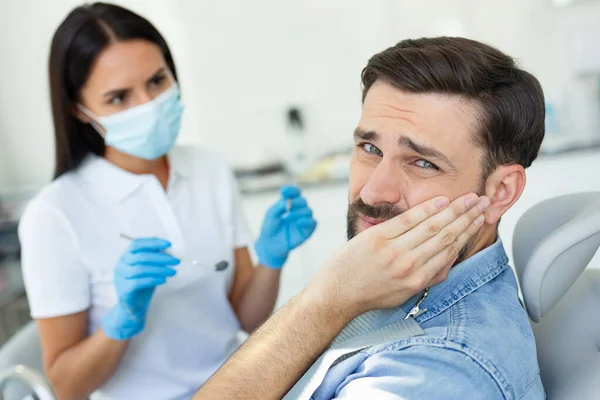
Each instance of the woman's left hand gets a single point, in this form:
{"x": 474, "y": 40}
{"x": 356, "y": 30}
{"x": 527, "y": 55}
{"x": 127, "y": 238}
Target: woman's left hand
{"x": 283, "y": 230}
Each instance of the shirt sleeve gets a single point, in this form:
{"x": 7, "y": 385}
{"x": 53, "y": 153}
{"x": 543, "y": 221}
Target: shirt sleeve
{"x": 56, "y": 281}
{"x": 420, "y": 372}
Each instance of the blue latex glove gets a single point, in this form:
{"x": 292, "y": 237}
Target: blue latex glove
{"x": 283, "y": 231}
{"x": 141, "y": 268}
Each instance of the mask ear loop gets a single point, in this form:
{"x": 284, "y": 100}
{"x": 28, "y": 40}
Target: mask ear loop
{"x": 93, "y": 120}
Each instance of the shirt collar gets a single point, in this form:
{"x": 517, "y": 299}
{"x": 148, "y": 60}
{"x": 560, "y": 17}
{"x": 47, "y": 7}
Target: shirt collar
{"x": 463, "y": 279}
{"x": 117, "y": 183}
{"x": 180, "y": 163}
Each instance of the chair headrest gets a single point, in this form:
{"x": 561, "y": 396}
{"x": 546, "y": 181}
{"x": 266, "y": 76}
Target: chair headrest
{"x": 553, "y": 243}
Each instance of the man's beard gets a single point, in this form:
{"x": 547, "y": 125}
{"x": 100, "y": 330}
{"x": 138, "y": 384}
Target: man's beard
{"x": 385, "y": 212}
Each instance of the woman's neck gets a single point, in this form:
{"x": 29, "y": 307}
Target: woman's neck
{"x": 135, "y": 165}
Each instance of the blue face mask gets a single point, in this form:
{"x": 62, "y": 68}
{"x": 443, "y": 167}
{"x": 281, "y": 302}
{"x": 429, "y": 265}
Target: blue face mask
{"x": 146, "y": 131}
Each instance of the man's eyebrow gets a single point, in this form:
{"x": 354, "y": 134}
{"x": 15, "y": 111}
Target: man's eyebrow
{"x": 424, "y": 150}
{"x": 360, "y": 134}
{"x": 404, "y": 141}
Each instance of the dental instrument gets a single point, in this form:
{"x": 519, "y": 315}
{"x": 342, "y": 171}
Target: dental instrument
{"x": 220, "y": 266}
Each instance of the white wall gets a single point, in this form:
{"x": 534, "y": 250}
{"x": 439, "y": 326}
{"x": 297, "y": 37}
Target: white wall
{"x": 251, "y": 59}
{"x": 240, "y": 63}
{"x": 3, "y": 163}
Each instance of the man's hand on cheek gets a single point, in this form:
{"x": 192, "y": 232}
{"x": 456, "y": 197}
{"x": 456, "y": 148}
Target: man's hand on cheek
{"x": 387, "y": 264}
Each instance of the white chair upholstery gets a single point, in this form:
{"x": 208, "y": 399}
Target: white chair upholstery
{"x": 553, "y": 244}
{"x": 22, "y": 349}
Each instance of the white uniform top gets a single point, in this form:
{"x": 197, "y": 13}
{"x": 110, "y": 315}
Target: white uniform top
{"x": 70, "y": 246}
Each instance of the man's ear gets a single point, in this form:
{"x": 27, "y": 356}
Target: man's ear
{"x": 503, "y": 187}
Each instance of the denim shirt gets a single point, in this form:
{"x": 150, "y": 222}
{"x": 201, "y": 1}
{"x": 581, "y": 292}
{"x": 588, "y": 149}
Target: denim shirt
{"x": 477, "y": 344}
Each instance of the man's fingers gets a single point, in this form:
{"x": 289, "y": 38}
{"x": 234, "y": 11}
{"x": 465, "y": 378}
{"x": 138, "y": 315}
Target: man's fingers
{"x": 409, "y": 219}
{"x": 448, "y": 236}
{"x": 450, "y": 253}
{"x": 435, "y": 224}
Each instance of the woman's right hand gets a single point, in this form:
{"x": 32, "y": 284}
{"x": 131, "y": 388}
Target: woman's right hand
{"x": 141, "y": 268}
{"x": 389, "y": 263}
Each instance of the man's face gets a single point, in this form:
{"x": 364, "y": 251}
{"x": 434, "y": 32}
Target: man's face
{"x": 410, "y": 148}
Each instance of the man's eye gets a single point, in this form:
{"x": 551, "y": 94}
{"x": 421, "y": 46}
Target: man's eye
{"x": 425, "y": 165}
{"x": 369, "y": 148}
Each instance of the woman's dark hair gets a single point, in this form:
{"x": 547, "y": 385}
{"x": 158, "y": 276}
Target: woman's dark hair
{"x": 511, "y": 100}
{"x": 78, "y": 41}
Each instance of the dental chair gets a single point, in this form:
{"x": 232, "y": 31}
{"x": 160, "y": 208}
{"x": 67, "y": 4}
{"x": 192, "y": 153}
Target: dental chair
{"x": 553, "y": 243}
{"x": 21, "y": 367}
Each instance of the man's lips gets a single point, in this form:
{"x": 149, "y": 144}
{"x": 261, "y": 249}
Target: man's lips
{"x": 368, "y": 222}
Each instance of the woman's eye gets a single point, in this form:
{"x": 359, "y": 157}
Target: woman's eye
{"x": 425, "y": 164}
{"x": 369, "y": 148}
{"x": 117, "y": 99}
{"x": 157, "y": 80}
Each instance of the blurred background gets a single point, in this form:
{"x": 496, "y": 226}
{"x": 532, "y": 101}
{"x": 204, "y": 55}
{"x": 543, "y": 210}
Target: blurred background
{"x": 274, "y": 86}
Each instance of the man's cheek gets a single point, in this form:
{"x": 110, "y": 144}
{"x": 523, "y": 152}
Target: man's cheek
{"x": 357, "y": 192}
{"x": 360, "y": 173}
{"x": 420, "y": 192}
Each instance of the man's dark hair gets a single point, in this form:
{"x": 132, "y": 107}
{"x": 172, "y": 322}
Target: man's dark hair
{"x": 511, "y": 101}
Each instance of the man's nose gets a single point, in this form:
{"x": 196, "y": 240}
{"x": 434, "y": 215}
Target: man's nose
{"x": 384, "y": 186}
